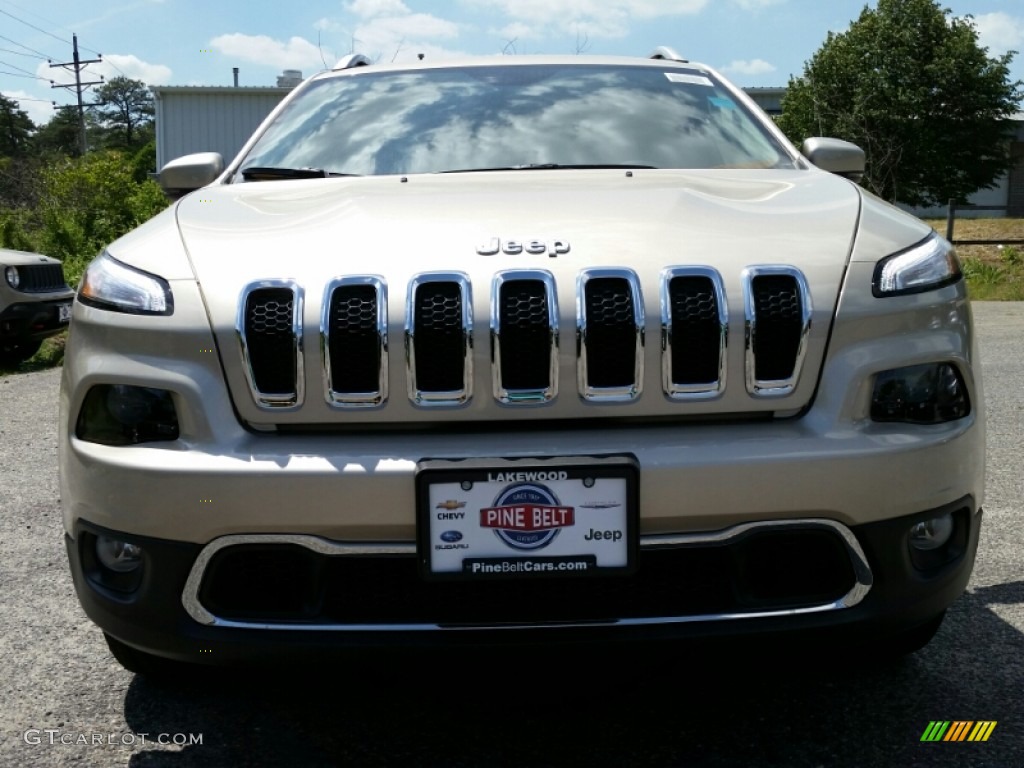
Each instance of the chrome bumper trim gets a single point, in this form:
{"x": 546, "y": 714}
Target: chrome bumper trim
{"x": 861, "y": 569}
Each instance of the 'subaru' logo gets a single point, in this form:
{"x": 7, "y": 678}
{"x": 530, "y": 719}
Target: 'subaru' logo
{"x": 958, "y": 730}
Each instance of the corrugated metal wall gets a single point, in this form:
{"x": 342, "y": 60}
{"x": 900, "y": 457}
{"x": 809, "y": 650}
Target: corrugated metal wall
{"x": 209, "y": 119}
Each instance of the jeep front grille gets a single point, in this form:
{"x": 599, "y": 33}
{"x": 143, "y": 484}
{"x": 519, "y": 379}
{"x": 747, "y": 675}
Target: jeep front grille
{"x": 270, "y": 333}
{"x": 439, "y": 339}
{"x": 524, "y": 337}
{"x": 778, "y": 316}
{"x": 610, "y": 335}
{"x": 354, "y": 340}
{"x": 525, "y": 322}
{"x": 694, "y": 330}
{"x": 41, "y": 278}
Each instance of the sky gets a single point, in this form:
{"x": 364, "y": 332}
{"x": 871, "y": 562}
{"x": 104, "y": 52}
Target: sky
{"x": 198, "y": 42}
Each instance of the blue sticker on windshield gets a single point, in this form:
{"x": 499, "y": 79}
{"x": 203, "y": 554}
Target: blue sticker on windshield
{"x": 723, "y": 102}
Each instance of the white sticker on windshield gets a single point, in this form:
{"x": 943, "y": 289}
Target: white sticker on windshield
{"x": 676, "y": 77}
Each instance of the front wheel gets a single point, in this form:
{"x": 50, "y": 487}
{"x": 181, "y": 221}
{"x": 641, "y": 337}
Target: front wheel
{"x": 12, "y": 353}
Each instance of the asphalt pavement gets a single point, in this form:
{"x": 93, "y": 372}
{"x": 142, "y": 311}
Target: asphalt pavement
{"x": 65, "y": 701}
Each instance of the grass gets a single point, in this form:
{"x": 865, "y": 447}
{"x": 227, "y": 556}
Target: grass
{"x": 994, "y": 272}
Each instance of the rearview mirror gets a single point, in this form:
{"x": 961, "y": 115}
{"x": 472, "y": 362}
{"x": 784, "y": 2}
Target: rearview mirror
{"x": 835, "y": 156}
{"x": 189, "y": 172}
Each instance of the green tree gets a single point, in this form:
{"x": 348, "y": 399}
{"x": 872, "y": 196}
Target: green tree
{"x": 60, "y": 135}
{"x": 125, "y": 107}
{"x": 15, "y": 129}
{"x": 87, "y": 202}
{"x": 911, "y": 85}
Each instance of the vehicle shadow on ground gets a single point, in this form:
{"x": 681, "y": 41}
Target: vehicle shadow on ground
{"x": 614, "y": 708}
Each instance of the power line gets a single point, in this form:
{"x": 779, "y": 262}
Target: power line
{"x": 45, "y": 56}
{"x": 22, "y": 53}
{"x": 20, "y": 69}
{"x": 27, "y": 77}
{"x": 38, "y": 29}
{"x": 76, "y": 66}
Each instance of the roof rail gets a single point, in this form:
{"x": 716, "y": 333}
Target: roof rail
{"x": 669, "y": 54}
{"x": 352, "y": 60}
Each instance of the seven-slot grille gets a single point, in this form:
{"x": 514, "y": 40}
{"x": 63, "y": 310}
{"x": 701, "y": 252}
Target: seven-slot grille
{"x": 524, "y": 331}
{"x": 41, "y": 278}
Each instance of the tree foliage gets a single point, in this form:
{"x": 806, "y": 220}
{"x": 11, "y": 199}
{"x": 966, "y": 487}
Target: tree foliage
{"x": 126, "y": 109}
{"x": 15, "y": 129}
{"x": 911, "y": 85}
{"x": 82, "y": 204}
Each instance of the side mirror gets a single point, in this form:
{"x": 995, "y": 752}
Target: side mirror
{"x": 189, "y": 172}
{"x": 835, "y": 156}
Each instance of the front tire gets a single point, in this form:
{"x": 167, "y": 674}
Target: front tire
{"x": 13, "y": 353}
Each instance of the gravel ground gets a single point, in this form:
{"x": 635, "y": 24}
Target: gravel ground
{"x": 60, "y": 684}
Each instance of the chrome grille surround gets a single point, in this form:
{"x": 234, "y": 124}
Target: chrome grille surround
{"x": 693, "y": 391}
{"x": 774, "y": 387}
{"x": 370, "y": 399}
{"x": 608, "y": 394}
{"x": 538, "y": 396}
{"x": 273, "y": 400}
{"x": 438, "y": 398}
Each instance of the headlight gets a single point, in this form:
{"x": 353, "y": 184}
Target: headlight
{"x": 109, "y": 284}
{"x": 13, "y": 278}
{"x": 924, "y": 267}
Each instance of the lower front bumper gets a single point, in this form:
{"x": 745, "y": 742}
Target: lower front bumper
{"x": 159, "y": 617}
{"x": 32, "y": 320}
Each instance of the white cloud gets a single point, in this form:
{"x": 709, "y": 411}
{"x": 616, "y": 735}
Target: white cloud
{"x": 595, "y": 18}
{"x": 296, "y": 53}
{"x": 749, "y": 67}
{"x": 371, "y": 8}
{"x": 38, "y": 110}
{"x": 1000, "y": 32}
{"x": 755, "y": 5}
{"x": 401, "y": 38}
{"x": 113, "y": 65}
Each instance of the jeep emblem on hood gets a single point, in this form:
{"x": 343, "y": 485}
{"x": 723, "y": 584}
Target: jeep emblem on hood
{"x": 513, "y": 247}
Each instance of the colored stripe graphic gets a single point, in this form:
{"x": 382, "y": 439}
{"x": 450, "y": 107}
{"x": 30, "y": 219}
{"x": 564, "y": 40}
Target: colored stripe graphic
{"x": 982, "y": 730}
{"x": 958, "y": 730}
{"x": 935, "y": 731}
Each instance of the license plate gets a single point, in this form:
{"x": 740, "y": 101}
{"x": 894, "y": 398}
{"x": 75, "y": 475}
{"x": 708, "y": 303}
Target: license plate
{"x": 64, "y": 313}
{"x": 557, "y": 518}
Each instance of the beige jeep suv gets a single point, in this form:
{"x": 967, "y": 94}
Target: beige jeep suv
{"x": 556, "y": 349}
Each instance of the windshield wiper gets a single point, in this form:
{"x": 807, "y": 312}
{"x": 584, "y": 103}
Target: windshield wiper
{"x": 548, "y": 167}
{"x": 261, "y": 173}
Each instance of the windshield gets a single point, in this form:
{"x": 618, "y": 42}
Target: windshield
{"x": 512, "y": 117}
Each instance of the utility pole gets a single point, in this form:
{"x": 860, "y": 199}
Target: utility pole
{"x": 79, "y": 87}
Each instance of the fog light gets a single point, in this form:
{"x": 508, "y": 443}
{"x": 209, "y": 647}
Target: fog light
{"x": 931, "y": 534}
{"x": 920, "y": 394}
{"x": 118, "y": 556}
{"x": 118, "y": 414}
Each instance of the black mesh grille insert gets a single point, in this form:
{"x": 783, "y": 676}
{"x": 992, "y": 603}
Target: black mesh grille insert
{"x": 440, "y": 347}
{"x": 611, "y": 332}
{"x": 354, "y": 339}
{"x": 270, "y": 339}
{"x": 696, "y": 330}
{"x": 525, "y": 335}
{"x": 40, "y": 278}
{"x": 762, "y": 571}
{"x": 779, "y": 317}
